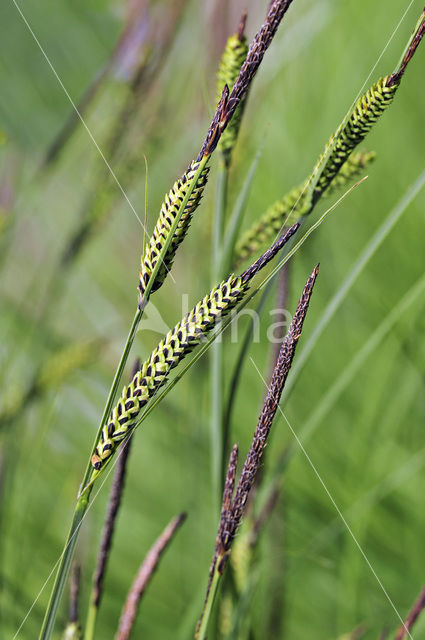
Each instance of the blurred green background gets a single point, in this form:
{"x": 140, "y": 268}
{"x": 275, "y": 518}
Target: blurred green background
{"x": 368, "y": 446}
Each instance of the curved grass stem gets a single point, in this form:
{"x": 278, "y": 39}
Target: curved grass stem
{"x": 64, "y": 567}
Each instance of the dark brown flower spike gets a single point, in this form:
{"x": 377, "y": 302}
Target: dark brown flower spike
{"x": 270, "y": 406}
{"x": 418, "y": 34}
{"x": 233, "y": 508}
{"x": 144, "y": 576}
{"x": 270, "y": 253}
{"x": 227, "y": 106}
{"x": 414, "y": 614}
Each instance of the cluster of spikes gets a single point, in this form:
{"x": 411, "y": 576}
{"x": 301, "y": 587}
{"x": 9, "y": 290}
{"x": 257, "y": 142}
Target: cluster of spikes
{"x": 295, "y": 205}
{"x": 169, "y": 211}
{"x": 231, "y": 61}
{"x": 238, "y": 67}
{"x": 337, "y": 164}
{"x": 366, "y": 112}
{"x": 173, "y": 348}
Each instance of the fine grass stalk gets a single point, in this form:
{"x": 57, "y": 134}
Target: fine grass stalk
{"x": 231, "y": 61}
{"x": 114, "y": 502}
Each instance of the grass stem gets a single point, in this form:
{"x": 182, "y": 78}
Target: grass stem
{"x": 201, "y": 633}
{"x": 216, "y": 361}
{"x": 64, "y": 567}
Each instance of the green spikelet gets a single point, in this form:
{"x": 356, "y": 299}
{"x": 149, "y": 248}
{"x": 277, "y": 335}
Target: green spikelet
{"x": 337, "y": 164}
{"x": 367, "y": 110}
{"x": 173, "y": 348}
{"x": 350, "y": 170}
{"x": 293, "y": 206}
{"x": 170, "y": 351}
{"x": 231, "y": 61}
{"x": 169, "y": 211}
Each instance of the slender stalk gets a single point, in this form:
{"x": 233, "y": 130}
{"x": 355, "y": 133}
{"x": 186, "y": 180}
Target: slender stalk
{"x": 64, "y": 566}
{"x": 220, "y": 211}
{"x": 114, "y": 503}
{"x": 202, "y": 632}
{"x": 216, "y": 362}
{"x": 238, "y": 368}
{"x": 144, "y": 576}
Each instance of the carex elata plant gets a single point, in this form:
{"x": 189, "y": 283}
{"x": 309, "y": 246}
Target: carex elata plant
{"x": 180, "y": 204}
{"x": 156, "y": 260}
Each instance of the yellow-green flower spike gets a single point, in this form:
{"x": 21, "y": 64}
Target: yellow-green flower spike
{"x": 293, "y": 206}
{"x": 169, "y": 210}
{"x": 337, "y": 164}
{"x": 173, "y": 348}
{"x": 367, "y": 110}
{"x": 231, "y": 62}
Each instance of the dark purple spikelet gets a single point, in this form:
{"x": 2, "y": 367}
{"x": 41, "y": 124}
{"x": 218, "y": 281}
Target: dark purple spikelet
{"x": 270, "y": 406}
{"x": 233, "y": 507}
{"x": 228, "y": 104}
{"x": 419, "y": 33}
{"x": 412, "y": 617}
{"x": 270, "y": 253}
{"x": 144, "y": 576}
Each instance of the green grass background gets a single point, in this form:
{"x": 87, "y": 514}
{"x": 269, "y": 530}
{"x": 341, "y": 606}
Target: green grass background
{"x": 369, "y": 448}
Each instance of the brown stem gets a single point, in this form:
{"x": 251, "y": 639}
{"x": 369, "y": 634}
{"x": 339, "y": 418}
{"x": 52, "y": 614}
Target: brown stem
{"x": 229, "y": 103}
{"x": 414, "y": 614}
{"x": 144, "y": 576}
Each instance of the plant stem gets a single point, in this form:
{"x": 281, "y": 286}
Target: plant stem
{"x": 209, "y": 602}
{"x": 114, "y": 502}
{"x": 216, "y": 361}
{"x": 64, "y": 566}
{"x": 91, "y": 621}
{"x": 220, "y": 211}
